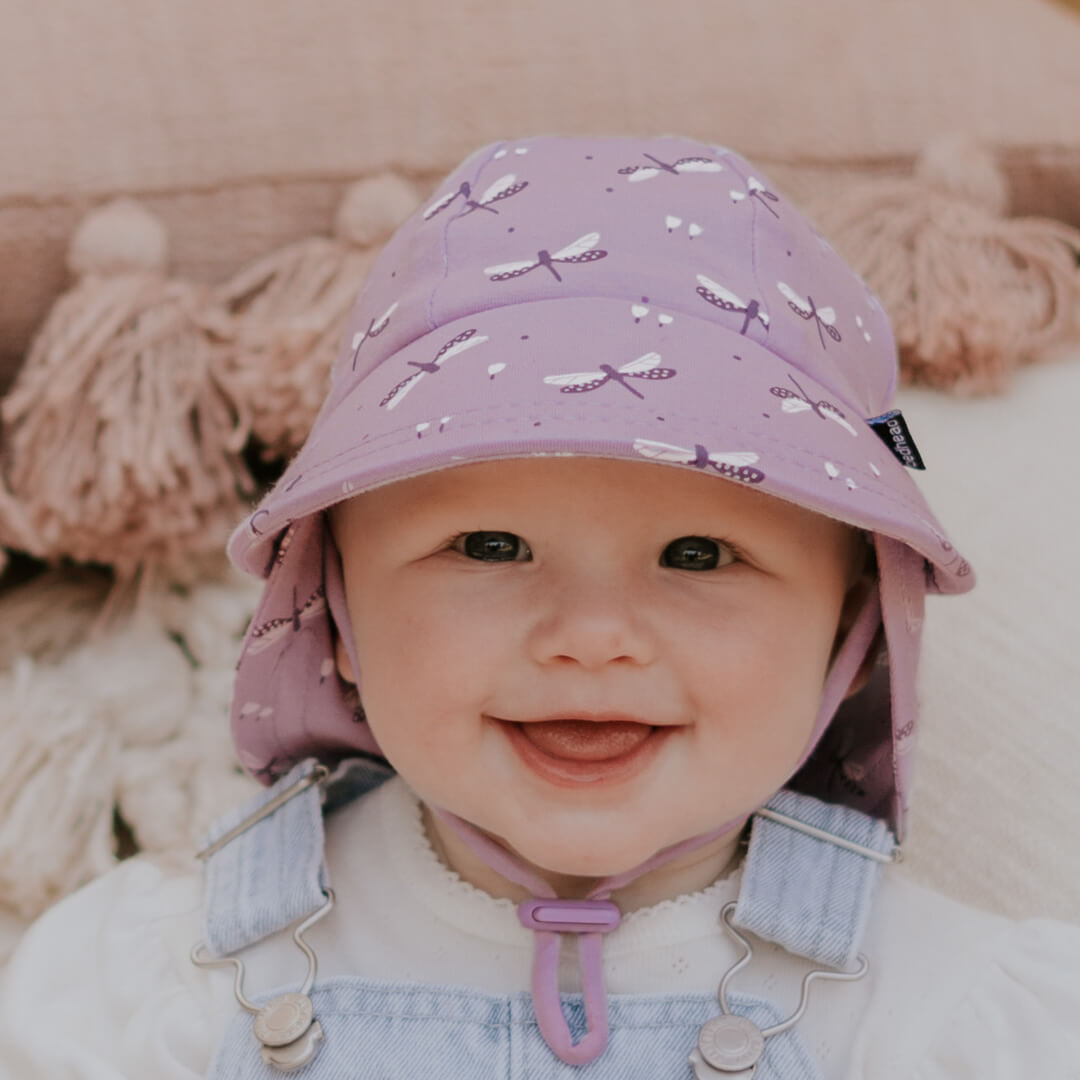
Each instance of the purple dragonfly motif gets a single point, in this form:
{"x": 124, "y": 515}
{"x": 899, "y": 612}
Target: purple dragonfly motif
{"x": 375, "y": 328}
{"x": 286, "y": 531}
{"x": 644, "y": 367}
{"x": 582, "y": 250}
{"x": 275, "y": 768}
{"x": 265, "y": 634}
{"x": 503, "y": 188}
{"x": 757, "y": 190}
{"x": 807, "y": 309}
{"x": 801, "y": 402}
{"x": 285, "y": 542}
{"x": 735, "y": 464}
{"x": 635, "y": 173}
{"x": 723, "y": 298}
{"x": 455, "y": 346}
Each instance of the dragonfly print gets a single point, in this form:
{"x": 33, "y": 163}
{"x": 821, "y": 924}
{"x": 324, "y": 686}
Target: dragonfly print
{"x": 286, "y": 531}
{"x": 735, "y": 465}
{"x": 275, "y": 768}
{"x": 503, "y": 188}
{"x": 807, "y": 309}
{"x": 375, "y": 328}
{"x": 636, "y": 173}
{"x": 757, "y": 190}
{"x": 454, "y": 347}
{"x": 582, "y": 250}
{"x": 801, "y": 402}
{"x": 644, "y": 367}
{"x": 266, "y": 634}
{"x": 725, "y": 299}
{"x": 287, "y": 536}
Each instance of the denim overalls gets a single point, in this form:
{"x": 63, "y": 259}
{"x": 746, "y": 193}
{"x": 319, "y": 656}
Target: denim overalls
{"x": 807, "y": 885}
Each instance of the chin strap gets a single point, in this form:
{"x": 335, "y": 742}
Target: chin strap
{"x": 845, "y": 667}
{"x": 595, "y": 915}
{"x": 590, "y": 918}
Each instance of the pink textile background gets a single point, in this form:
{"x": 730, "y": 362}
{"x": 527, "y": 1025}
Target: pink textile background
{"x": 240, "y": 123}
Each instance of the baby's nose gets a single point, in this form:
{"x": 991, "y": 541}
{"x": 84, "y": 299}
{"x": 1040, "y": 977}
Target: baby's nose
{"x": 592, "y": 623}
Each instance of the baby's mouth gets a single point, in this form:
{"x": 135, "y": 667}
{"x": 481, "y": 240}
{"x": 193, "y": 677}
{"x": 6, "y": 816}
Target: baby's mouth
{"x": 587, "y": 749}
{"x": 586, "y": 740}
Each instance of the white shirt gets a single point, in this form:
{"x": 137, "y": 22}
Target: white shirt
{"x": 102, "y": 986}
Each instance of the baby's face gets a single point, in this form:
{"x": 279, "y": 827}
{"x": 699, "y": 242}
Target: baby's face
{"x": 496, "y": 594}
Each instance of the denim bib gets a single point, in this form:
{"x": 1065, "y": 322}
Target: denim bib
{"x": 807, "y": 885}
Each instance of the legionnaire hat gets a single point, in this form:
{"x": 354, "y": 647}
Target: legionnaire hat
{"x": 647, "y": 299}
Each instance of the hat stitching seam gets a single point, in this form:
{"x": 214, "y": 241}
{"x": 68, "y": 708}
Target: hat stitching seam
{"x": 378, "y": 441}
{"x": 938, "y": 560}
{"x": 807, "y": 462}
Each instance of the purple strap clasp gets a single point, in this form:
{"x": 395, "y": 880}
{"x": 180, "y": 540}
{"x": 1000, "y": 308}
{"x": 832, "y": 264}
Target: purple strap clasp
{"x": 591, "y": 919}
{"x": 569, "y": 916}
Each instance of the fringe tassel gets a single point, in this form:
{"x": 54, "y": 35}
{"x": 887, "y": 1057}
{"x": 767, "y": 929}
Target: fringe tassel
{"x": 134, "y": 725}
{"x": 287, "y": 313}
{"x": 124, "y": 435}
{"x": 15, "y": 532}
{"x": 53, "y": 613}
{"x": 971, "y": 294}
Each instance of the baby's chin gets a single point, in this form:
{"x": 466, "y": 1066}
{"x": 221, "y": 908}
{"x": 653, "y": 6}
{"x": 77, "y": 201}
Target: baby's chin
{"x": 576, "y": 839}
{"x": 584, "y": 853}
{"x": 574, "y": 870}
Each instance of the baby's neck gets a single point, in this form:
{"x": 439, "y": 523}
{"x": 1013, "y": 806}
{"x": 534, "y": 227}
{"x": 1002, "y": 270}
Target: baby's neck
{"x": 689, "y": 873}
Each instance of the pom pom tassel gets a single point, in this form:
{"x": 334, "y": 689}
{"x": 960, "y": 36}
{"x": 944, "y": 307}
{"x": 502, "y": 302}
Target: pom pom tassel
{"x": 287, "y": 313}
{"x": 123, "y": 436}
{"x": 971, "y": 294}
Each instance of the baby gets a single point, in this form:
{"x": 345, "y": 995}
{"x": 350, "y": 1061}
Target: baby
{"x": 592, "y": 617}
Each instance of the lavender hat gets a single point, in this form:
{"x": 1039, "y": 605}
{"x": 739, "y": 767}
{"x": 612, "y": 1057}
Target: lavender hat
{"x": 648, "y": 299}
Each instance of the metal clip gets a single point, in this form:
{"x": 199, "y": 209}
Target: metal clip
{"x": 285, "y": 1026}
{"x": 318, "y": 775}
{"x": 730, "y": 1046}
{"x": 894, "y": 856}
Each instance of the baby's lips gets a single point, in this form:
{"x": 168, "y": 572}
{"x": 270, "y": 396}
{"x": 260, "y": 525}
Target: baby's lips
{"x": 594, "y": 716}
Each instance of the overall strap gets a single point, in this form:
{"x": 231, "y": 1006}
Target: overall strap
{"x": 810, "y": 874}
{"x": 264, "y": 866}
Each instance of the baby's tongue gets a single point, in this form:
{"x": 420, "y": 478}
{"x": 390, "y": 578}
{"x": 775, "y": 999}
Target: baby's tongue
{"x": 586, "y": 740}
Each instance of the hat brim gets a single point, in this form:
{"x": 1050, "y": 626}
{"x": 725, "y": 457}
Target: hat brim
{"x": 620, "y": 392}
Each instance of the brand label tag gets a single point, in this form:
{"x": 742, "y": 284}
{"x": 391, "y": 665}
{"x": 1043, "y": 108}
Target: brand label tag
{"x": 893, "y": 431}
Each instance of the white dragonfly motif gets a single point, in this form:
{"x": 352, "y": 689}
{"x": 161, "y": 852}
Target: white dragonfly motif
{"x": 645, "y": 366}
{"x": 757, "y": 190}
{"x": 375, "y": 328}
{"x": 801, "y": 402}
{"x": 635, "y": 173}
{"x": 723, "y": 298}
{"x": 454, "y": 347}
{"x": 735, "y": 465}
{"x": 502, "y": 188}
{"x": 807, "y": 309}
{"x": 583, "y": 249}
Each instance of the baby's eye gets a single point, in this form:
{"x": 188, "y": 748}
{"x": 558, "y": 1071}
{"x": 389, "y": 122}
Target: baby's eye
{"x": 493, "y": 546}
{"x": 696, "y": 553}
